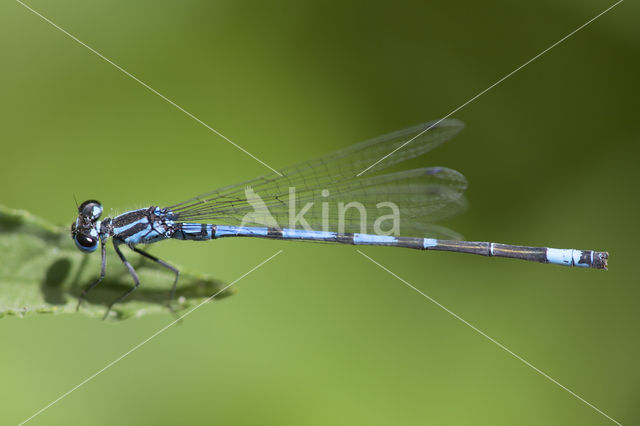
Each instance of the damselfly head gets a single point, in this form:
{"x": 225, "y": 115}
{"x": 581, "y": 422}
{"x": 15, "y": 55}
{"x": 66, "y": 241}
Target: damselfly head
{"x": 84, "y": 230}
{"x": 91, "y": 209}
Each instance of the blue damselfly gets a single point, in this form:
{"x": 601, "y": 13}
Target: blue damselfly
{"x": 266, "y": 207}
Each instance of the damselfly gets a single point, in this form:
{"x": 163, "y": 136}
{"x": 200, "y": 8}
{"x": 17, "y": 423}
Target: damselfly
{"x": 413, "y": 200}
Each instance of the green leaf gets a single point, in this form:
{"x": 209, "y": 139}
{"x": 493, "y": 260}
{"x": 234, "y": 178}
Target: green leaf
{"x": 41, "y": 271}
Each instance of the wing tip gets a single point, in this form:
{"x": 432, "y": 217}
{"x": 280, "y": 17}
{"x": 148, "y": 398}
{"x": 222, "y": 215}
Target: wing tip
{"x": 445, "y": 123}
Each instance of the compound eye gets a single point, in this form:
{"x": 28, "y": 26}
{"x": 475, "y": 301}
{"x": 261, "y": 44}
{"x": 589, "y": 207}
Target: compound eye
{"x": 86, "y": 243}
{"x": 91, "y": 209}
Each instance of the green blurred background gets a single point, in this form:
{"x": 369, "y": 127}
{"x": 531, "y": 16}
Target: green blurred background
{"x": 320, "y": 335}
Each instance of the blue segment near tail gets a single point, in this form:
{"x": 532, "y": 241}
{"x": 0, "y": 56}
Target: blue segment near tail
{"x": 570, "y": 257}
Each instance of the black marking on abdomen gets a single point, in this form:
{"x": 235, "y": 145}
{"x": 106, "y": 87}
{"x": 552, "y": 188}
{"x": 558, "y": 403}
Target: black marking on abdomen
{"x": 585, "y": 257}
{"x": 193, "y": 234}
{"x": 473, "y": 247}
{"x": 411, "y": 242}
{"x": 346, "y": 238}
{"x": 275, "y": 233}
{"x": 534, "y": 254}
